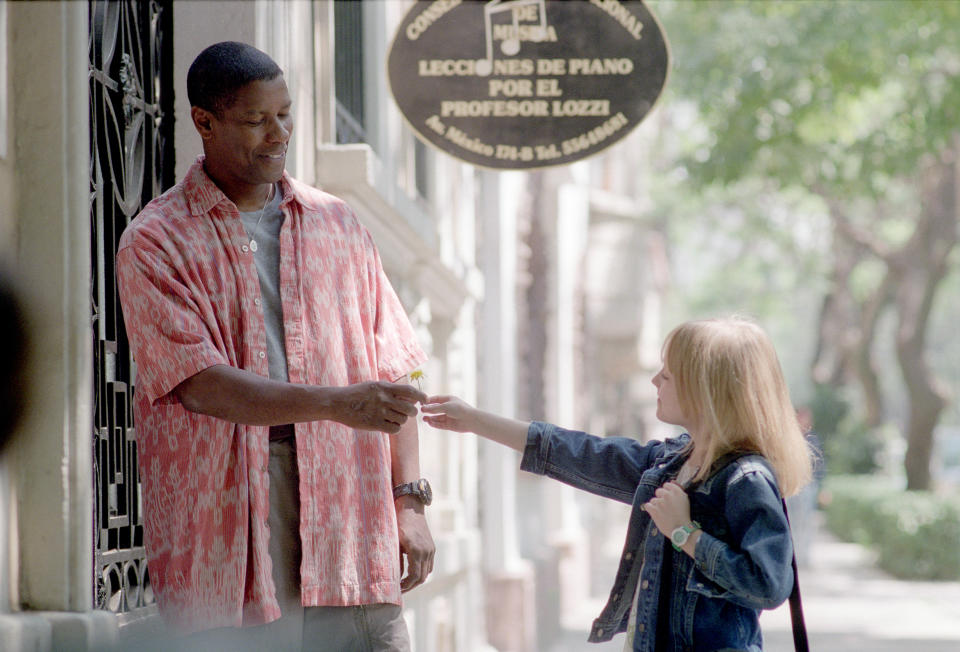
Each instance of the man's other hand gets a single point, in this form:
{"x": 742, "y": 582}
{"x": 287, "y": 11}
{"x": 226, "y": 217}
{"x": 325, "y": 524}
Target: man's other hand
{"x": 416, "y": 543}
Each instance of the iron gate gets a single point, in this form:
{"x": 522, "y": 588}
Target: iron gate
{"x": 131, "y": 161}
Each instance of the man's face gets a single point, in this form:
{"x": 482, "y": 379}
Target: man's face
{"x": 246, "y": 146}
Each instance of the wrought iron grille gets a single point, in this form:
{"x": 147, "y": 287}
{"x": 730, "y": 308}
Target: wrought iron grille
{"x": 131, "y": 161}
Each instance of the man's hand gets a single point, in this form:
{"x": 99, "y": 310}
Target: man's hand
{"x": 416, "y": 543}
{"x": 377, "y": 405}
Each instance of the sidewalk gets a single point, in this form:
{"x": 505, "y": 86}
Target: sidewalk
{"x": 849, "y": 606}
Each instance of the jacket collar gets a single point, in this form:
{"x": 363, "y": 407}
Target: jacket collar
{"x": 736, "y": 461}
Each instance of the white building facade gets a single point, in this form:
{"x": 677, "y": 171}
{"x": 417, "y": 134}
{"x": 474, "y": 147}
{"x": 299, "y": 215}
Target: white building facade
{"x": 536, "y": 295}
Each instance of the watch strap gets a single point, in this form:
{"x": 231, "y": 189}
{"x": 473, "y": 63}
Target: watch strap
{"x": 404, "y": 489}
{"x": 420, "y": 488}
{"x": 689, "y": 529}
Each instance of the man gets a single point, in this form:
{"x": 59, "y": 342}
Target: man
{"x": 266, "y": 337}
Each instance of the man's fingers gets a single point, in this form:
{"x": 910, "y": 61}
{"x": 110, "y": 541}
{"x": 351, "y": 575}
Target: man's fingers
{"x": 404, "y": 408}
{"x": 417, "y": 572}
{"x": 416, "y": 547}
{"x": 415, "y": 575}
{"x": 405, "y": 392}
{"x": 385, "y": 406}
{"x": 389, "y": 427}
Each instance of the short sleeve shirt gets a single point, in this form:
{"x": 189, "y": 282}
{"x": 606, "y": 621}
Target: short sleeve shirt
{"x": 191, "y": 299}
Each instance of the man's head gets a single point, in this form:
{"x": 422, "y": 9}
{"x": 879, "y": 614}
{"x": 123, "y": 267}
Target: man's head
{"x": 224, "y": 68}
{"x": 241, "y": 108}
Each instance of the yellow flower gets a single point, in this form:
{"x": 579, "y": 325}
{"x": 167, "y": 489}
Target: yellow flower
{"x": 417, "y": 375}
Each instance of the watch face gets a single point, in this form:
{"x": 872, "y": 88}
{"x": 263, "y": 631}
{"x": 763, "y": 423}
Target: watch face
{"x": 679, "y": 536}
{"x": 426, "y": 493}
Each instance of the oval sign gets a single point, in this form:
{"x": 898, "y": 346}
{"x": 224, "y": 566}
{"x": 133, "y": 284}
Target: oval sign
{"x": 519, "y": 84}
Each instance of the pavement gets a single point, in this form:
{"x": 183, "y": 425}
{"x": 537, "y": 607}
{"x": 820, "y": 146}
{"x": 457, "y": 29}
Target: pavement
{"x": 849, "y": 606}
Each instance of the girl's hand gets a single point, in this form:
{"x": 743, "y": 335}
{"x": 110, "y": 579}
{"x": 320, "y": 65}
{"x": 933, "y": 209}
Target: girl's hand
{"x": 449, "y": 413}
{"x": 669, "y": 508}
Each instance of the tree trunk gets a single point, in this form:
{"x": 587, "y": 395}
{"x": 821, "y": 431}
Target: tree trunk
{"x": 926, "y": 398}
{"x": 831, "y": 364}
{"x": 863, "y": 353}
{"x": 921, "y": 265}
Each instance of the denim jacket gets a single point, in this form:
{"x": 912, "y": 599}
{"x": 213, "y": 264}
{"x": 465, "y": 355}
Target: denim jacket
{"x": 743, "y": 556}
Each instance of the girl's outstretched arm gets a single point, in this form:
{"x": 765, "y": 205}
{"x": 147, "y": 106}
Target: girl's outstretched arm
{"x": 452, "y": 413}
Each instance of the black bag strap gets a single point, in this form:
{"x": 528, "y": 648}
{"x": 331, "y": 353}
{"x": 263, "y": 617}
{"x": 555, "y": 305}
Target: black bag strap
{"x": 800, "y": 642}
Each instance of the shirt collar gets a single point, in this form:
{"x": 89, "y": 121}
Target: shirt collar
{"x": 203, "y": 194}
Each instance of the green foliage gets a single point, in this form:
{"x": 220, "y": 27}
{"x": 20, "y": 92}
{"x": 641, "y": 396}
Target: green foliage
{"x": 759, "y": 273}
{"x": 914, "y": 533}
{"x": 773, "y": 106}
{"x": 849, "y": 445}
{"x": 843, "y": 99}
{"x": 790, "y": 93}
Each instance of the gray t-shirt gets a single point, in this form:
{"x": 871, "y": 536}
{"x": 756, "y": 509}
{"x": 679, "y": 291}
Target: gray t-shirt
{"x": 267, "y": 258}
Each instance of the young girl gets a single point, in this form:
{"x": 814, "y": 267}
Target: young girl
{"x": 708, "y": 544}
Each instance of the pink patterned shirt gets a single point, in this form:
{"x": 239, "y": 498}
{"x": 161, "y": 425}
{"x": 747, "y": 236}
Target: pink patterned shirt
{"x": 191, "y": 300}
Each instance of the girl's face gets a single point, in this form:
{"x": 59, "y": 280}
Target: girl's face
{"x": 668, "y": 404}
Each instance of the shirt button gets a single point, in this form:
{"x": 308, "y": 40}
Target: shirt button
{"x": 262, "y": 355}
{"x": 645, "y": 585}
{"x": 654, "y": 532}
{"x": 600, "y": 632}
{"x": 244, "y": 248}
{"x": 256, "y": 302}
{"x": 628, "y": 556}
{"x": 641, "y": 627}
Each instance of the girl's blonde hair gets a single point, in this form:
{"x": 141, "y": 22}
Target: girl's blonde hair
{"x": 729, "y": 380}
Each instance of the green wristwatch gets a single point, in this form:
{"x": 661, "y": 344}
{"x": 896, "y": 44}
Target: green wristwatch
{"x": 680, "y": 536}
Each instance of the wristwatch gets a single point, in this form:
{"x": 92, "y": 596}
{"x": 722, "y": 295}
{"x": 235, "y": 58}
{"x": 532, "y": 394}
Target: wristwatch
{"x": 421, "y": 489}
{"x": 680, "y": 536}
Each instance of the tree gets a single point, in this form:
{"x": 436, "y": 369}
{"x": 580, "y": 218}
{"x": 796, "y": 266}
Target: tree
{"x": 856, "y": 103}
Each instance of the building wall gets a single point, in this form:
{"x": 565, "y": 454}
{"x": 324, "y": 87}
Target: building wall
{"x": 513, "y": 552}
{"x": 283, "y": 29}
{"x": 8, "y": 243}
{"x": 198, "y": 24}
{"x": 46, "y": 234}
{"x": 427, "y": 247}
{"x": 7, "y": 199}
{"x": 589, "y": 285}
{"x": 44, "y": 222}
{"x": 426, "y": 252}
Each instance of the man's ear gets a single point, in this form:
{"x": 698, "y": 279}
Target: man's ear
{"x": 202, "y": 121}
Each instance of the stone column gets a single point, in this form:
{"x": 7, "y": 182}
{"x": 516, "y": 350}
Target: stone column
{"x": 509, "y": 579}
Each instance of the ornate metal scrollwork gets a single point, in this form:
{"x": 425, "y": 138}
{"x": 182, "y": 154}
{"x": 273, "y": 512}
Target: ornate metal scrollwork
{"x": 131, "y": 161}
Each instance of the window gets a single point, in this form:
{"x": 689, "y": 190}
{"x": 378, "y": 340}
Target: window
{"x": 420, "y": 168}
{"x": 348, "y": 70}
